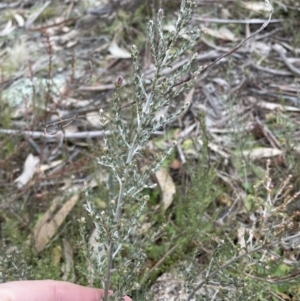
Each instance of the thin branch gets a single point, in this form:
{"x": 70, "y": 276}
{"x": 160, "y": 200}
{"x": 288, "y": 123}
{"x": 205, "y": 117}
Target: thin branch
{"x": 232, "y": 50}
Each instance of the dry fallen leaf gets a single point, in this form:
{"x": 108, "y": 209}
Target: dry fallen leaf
{"x": 256, "y": 6}
{"x": 29, "y": 169}
{"x": 9, "y": 27}
{"x": 48, "y": 225}
{"x": 222, "y": 33}
{"x": 117, "y": 52}
{"x": 241, "y": 237}
{"x": 167, "y": 187}
{"x": 20, "y": 20}
{"x": 45, "y": 167}
{"x": 262, "y": 152}
{"x": 296, "y": 147}
{"x": 273, "y": 106}
{"x": 94, "y": 120}
{"x": 171, "y": 28}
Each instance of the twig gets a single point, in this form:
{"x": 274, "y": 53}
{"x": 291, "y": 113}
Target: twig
{"x": 268, "y": 134}
{"x": 50, "y": 137}
{"x": 268, "y": 70}
{"x": 32, "y": 19}
{"x": 159, "y": 263}
{"x": 279, "y": 49}
{"x": 224, "y": 21}
{"x": 232, "y": 50}
{"x": 222, "y": 267}
{"x": 12, "y": 5}
{"x": 61, "y": 124}
{"x": 234, "y": 259}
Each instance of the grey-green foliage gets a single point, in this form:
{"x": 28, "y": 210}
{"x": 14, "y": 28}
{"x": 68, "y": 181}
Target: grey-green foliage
{"x": 13, "y": 265}
{"x": 18, "y": 261}
{"x": 121, "y": 264}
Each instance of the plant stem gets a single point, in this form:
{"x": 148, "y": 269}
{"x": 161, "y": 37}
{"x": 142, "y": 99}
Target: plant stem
{"x": 108, "y": 271}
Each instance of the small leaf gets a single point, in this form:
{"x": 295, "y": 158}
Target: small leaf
{"x": 117, "y": 52}
{"x": 262, "y": 152}
{"x": 29, "y": 169}
{"x": 20, "y": 20}
{"x": 167, "y": 187}
{"x": 7, "y": 29}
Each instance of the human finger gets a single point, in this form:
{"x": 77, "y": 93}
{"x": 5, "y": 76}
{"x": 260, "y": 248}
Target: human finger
{"x": 47, "y": 290}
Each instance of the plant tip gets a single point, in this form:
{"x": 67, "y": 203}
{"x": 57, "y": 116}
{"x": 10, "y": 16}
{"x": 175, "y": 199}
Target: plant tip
{"x": 160, "y": 13}
{"x": 119, "y": 81}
